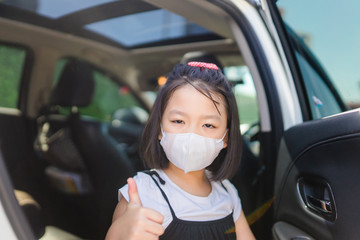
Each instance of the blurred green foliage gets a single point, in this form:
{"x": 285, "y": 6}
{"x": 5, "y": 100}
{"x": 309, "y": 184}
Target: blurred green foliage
{"x": 109, "y": 96}
{"x": 248, "y": 108}
{"x": 11, "y": 66}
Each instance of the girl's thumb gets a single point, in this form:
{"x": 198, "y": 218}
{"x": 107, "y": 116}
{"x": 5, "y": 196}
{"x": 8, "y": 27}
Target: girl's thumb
{"x": 133, "y": 192}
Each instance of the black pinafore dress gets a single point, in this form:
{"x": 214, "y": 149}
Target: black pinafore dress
{"x": 178, "y": 229}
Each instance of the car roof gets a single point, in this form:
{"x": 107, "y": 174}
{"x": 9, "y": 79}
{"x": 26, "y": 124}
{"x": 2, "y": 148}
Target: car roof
{"x": 127, "y": 24}
{"x": 51, "y": 36}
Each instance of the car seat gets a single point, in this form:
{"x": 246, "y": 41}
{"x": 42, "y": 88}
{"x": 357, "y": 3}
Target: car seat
{"x": 84, "y": 159}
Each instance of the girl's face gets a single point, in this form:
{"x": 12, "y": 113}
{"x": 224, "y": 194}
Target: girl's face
{"x": 189, "y": 111}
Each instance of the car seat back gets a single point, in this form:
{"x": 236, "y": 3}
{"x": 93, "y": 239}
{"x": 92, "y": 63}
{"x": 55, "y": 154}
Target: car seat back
{"x": 81, "y": 149}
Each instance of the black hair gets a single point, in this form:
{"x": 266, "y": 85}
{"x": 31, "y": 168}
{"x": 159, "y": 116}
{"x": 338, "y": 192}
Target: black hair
{"x": 206, "y": 81}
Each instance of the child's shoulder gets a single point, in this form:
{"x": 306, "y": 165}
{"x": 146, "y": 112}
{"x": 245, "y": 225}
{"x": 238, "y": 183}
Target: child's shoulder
{"x": 145, "y": 180}
{"x": 145, "y": 184}
{"x": 229, "y": 187}
{"x": 223, "y": 183}
{"x": 143, "y": 176}
{"x": 150, "y": 176}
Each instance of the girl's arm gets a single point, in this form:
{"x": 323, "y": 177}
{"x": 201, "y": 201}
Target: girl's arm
{"x": 132, "y": 221}
{"x": 243, "y": 231}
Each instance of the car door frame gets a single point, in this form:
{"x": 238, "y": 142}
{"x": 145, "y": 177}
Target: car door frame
{"x": 311, "y": 137}
{"x": 17, "y": 226}
{"x": 254, "y": 34}
{"x": 277, "y": 111}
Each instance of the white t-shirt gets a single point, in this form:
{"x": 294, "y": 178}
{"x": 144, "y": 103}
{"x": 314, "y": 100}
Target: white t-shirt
{"x": 219, "y": 204}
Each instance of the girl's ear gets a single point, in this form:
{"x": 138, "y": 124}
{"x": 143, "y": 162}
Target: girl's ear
{"x": 226, "y": 138}
{"x": 160, "y": 132}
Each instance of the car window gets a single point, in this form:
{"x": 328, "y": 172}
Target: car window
{"x": 332, "y": 36}
{"x": 109, "y": 97}
{"x": 246, "y": 99}
{"x": 12, "y": 61}
{"x": 321, "y": 99}
{"x": 55, "y": 9}
{"x": 147, "y": 27}
{"x": 245, "y": 94}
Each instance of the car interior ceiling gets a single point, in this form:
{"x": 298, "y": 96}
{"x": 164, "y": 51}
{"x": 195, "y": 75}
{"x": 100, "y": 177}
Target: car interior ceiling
{"x": 49, "y": 46}
{"x": 99, "y": 164}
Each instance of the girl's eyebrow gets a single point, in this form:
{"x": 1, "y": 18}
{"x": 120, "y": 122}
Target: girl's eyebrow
{"x": 211, "y": 116}
{"x": 175, "y": 111}
{"x": 207, "y": 116}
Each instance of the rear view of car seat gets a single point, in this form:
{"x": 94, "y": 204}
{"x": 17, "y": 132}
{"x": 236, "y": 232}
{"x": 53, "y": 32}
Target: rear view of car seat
{"x": 81, "y": 150}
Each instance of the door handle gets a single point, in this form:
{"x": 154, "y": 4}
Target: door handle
{"x": 318, "y": 197}
{"x": 320, "y": 204}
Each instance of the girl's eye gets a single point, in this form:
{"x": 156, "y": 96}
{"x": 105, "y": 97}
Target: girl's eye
{"x": 178, "y": 121}
{"x": 208, "y": 125}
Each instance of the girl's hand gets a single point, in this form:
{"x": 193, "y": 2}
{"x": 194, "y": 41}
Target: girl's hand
{"x": 132, "y": 221}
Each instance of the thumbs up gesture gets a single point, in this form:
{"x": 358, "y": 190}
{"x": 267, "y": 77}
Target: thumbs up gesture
{"x": 134, "y": 198}
{"x": 132, "y": 221}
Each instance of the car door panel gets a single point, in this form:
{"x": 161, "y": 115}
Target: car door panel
{"x": 12, "y": 219}
{"x": 283, "y": 230}
{"x": 318, "y": 165}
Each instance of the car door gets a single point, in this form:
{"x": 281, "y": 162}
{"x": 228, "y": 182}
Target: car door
{"x": 14, "y": 64}
{"x": 12, "y": 220}
{"x": 316, "y": 192}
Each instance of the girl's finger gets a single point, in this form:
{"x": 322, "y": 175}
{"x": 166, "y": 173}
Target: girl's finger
{"x": 154, "y": 228}
{"x": 153, "y": 215}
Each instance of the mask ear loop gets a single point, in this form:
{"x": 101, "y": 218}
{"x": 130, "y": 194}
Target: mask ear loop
{"x": 223, "y": 136}
{"x": 162, "y": 131}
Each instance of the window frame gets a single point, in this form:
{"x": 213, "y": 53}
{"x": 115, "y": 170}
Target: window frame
{"x": 24, "y": 81}
{"x": 300, "y": 47}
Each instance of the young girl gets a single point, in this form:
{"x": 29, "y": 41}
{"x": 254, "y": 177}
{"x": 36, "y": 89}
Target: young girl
{"x": 192, "y": 142}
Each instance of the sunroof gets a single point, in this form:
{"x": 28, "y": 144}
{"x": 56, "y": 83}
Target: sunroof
{"x": 126, "y": 23}
{"x": 54, "y": 9}
{"x": 146, "y": 27}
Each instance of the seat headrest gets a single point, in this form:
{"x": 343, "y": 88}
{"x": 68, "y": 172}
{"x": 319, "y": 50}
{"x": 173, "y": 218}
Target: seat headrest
{"x": 75, "y": 87}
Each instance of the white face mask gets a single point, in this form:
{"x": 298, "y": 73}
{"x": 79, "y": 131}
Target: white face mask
{"x": 189, "y": 151}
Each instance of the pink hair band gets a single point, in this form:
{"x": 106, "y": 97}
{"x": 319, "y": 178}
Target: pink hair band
{"x": 203, "y": 65}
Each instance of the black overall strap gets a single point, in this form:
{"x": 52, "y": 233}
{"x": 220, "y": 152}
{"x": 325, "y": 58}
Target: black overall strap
{"x": 224, "y": 186}
{"x": 151, "y": 173}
